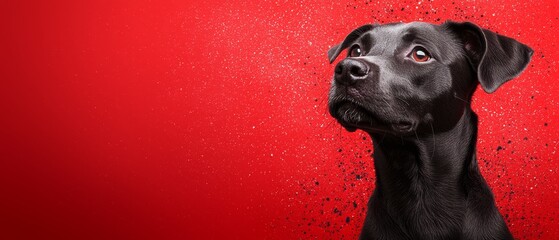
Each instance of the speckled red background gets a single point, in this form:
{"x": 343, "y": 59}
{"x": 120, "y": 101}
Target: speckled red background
{"x": 208, "y": 120}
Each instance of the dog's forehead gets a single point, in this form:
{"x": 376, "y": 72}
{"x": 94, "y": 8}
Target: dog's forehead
{"x": 398, "y": 28}
{"x": 390, "y": 37}
{"x": 396, "y": 31}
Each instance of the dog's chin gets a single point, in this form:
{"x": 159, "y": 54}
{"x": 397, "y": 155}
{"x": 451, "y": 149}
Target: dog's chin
{"x": 353, "y": 116}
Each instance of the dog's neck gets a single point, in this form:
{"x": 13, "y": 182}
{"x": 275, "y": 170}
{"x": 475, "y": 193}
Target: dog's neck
{"x": 424, "y": 175}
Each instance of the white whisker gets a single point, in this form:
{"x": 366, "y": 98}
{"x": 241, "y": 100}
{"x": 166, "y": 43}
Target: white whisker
{"x": 456, "y": 96}
{"x": 434, "y": 142}
{"x": 402, "y": 100}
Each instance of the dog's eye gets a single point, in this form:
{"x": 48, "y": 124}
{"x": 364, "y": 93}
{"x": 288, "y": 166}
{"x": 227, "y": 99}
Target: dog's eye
{"x": 355, "y": 51}
{"x": 419, "y": 54}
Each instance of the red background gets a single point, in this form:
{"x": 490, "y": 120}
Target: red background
{"x": 207, "y": 120}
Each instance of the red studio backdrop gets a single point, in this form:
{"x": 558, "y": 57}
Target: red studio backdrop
{"x": 208, "y": 119}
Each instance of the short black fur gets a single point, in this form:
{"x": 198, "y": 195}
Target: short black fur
{"x": 423, "y": 128}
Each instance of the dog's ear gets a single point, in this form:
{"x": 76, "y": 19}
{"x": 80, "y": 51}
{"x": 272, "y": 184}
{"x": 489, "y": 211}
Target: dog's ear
{"x": 337, "y": 49}
{"x": 496, "y": 58}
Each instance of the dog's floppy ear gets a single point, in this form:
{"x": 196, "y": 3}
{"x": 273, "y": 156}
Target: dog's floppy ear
{"x": 496, "y": 58}
{"x": 337, "y": 49}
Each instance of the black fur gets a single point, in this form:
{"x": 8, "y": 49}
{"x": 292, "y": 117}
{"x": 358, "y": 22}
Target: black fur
{"x": 423, "y": 128}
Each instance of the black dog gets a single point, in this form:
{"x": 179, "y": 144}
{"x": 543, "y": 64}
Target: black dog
{"x": 409, "y": 86}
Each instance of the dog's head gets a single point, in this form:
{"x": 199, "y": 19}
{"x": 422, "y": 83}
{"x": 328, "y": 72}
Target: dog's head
{"x": 404, "y": 78}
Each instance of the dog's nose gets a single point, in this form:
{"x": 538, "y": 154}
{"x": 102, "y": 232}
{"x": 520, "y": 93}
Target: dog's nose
{"x": 350, "y": 71}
